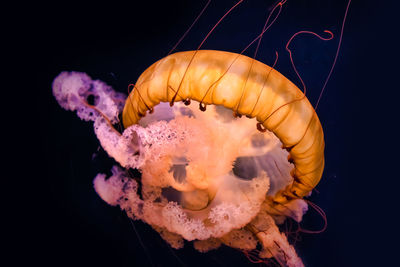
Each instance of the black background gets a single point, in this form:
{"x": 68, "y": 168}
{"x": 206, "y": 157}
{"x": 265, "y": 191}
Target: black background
{"x": 64, "y": 222}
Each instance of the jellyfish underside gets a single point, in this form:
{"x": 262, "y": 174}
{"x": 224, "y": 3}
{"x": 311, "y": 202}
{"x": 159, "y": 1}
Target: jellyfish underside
{"x": 207, "y": 177}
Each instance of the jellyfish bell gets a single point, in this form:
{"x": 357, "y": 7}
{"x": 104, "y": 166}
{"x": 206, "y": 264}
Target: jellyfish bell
{"x": 206, "y": 176}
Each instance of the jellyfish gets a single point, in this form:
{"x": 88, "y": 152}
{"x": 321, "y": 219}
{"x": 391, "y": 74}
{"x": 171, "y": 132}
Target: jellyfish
{"x": 206, "y": 176}
{"x": 227, "y": 148}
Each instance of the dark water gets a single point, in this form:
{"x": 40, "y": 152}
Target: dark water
{"x": 116, "y": 42}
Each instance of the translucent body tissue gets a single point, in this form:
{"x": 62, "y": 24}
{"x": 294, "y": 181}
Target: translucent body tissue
{"x": 206, "y": 177}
